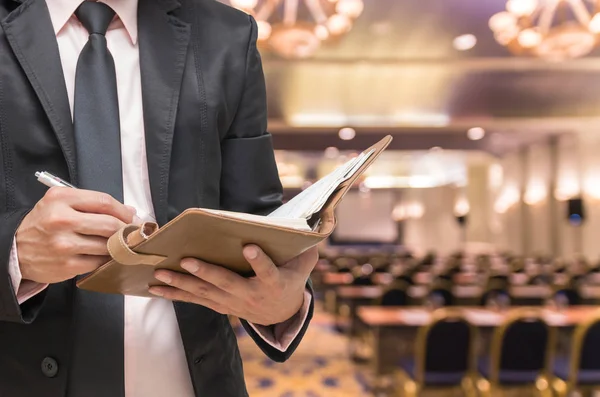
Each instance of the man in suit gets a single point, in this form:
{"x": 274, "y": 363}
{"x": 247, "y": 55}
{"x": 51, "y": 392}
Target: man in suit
{"x": 149, "y": 107}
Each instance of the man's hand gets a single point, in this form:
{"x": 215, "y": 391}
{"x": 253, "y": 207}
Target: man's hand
{"x": 66, "y": 233}
{"x": 273, "y": 296}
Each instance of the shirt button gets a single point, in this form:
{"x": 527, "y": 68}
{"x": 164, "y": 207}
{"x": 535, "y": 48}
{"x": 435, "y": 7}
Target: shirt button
{"x": 198, "y": 360}
{"x": 49, "y": 367}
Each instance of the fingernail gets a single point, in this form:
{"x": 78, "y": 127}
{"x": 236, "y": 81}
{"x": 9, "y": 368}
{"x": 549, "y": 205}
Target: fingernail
{"x": 164, "y": 277}
{"x": 155, "y": 291}
{"x": 190, "y": 266}
{"x": 251, "y": 252}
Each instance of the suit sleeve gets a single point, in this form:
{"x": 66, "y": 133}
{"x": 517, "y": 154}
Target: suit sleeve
{"x": 10, "y": 310}
{"x": 249, "y": 178}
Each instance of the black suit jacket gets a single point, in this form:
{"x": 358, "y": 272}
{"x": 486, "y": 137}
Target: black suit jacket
{"x": 207, "y": 146}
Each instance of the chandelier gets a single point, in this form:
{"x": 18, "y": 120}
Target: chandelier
{"x": 296, "y": 28}
{"x": 550, "y": 29}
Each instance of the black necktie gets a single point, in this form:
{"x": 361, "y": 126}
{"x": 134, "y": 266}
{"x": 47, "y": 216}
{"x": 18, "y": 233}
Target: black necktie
{"x": 96, "y": 107}
{"x": 97, "y": 366}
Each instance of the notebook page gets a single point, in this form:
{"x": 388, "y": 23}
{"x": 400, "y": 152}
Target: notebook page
{"x": 312, "y": 199}
{"x": 299, "y": 205}
{"x": 353, "y": 169}
{"x": 298, "y": 224}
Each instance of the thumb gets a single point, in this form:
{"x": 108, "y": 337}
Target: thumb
{"x": 134, "y": 218}
{"x": 307, "y": 260}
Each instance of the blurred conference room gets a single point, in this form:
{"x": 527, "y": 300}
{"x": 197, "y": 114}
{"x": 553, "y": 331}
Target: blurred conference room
{"x": 466, "y": 260}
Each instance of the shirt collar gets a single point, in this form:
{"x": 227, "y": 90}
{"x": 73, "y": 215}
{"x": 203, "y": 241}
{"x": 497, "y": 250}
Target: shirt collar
{"x": 62, "y": 10}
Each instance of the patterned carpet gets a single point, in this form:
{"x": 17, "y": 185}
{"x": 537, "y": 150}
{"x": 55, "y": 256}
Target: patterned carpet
{"x": 319, "y": 368}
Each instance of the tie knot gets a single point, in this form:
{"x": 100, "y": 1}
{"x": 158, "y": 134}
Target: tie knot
{"x": 95, "y": 16}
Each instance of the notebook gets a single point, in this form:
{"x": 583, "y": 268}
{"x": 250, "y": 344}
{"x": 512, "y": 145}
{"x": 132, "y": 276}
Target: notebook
{"x": 218, "y": 236}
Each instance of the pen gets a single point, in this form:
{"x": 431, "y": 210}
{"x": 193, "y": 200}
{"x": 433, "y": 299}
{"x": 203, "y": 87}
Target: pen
{"x": 52, "y": 180}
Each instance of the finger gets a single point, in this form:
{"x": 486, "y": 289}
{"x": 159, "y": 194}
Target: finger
{"x": 218, "y": 276}
{"x": 83, "y": 264}
{"x": 175, "y": 294}
{"x": 193, "y": 285}
{"x": 307, "y": 260}
{"x": 262, "y": 265}
{"x": 97, "y": 224}
{"x": 94, "y": 202}
{"x": 90, "y": 245}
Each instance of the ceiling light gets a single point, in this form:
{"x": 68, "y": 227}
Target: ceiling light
{"x": 475, "y": 133}
{"x": 502, "y": 20}
{"x": 350, "y": 8}
{"x": 332, "y": 152}
{"x": 464, "y": 42}
{"x": 529, "y": 38}
{"x": 554, "y": 30}
{"x": 264, "y": 30}
{"x": 347, "y": 133}
{"x": 521, "y": 7}
{"x": 244, "y": 4}
{"x": 296, "y": 28}
{"x": 594, "y": 24}
{"x": 321, "y": 32}
{"x": 338, "y": 24}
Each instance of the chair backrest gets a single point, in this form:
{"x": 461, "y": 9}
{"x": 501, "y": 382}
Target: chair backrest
{"x": 586, "y": 345}
{"x": 495, "y": 297}
{"x": 395, "y": 295}
{"x": 447, "y": 344}
{"x": 498, "y": 283}
{"x": 443, "y": 295}
{"x": 571, "y": 295}
{"x": 363, "y": 281}
{"x": 522, "y": 343}
{"x": 442, "y": 289}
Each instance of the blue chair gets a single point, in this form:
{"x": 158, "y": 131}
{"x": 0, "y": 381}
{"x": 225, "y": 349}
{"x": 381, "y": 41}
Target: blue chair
{"x": 441, "y": 294}
{"x": 444, "y": 356}
{"x": 520, "y": 354}
{"x": 582, "y": 369}
{"x": 495, "y": 297}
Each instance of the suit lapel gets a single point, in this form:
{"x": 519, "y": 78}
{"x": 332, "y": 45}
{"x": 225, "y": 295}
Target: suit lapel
{"x": 31, "y": 36}
{"x": 163, "y": 43}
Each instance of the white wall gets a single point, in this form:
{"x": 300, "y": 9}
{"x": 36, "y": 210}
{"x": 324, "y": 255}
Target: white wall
{"x": 437, "y": 229}
{"x": 555, "y": 173}
{"x": 536, "y": 181}
{"x": 367, "y": 217}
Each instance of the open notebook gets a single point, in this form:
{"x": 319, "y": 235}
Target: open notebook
{"x": 218, "y": 237}
{"x": 297, "y": 212}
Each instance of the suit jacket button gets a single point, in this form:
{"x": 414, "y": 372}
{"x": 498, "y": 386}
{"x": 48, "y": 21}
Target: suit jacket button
{"x": 49, "y": 367}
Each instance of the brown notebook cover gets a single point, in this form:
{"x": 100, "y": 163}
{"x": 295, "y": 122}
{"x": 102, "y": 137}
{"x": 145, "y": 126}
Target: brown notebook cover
{"x": 137, "y": 251}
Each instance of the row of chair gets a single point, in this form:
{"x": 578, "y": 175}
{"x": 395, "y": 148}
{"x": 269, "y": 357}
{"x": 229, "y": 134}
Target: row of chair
{"x": 522, "y": 354}
{"x": 440, "y": 294}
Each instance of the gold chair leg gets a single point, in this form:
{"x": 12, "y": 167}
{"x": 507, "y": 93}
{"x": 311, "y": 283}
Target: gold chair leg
{"x": 404, "y": 386}
{"x": 411, "y": 389}
{"x": 560, "y": 387}
{"x": 483, "y": 387}
{"x": 468, "y": 387}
